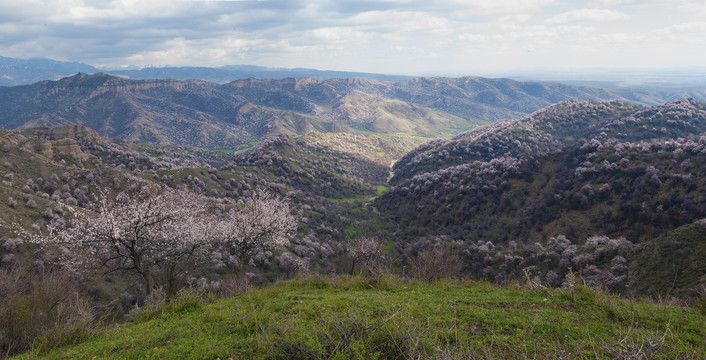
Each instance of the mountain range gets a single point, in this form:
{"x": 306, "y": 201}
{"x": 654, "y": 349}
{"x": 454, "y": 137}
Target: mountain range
{"x": 204, "y": 114}
{"x": 28, "y": 71}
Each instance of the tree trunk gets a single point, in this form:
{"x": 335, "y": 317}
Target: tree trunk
{"x": 148, "y": 283}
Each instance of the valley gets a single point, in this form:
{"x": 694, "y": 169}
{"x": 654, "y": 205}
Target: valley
{"x": 381, "y": 177}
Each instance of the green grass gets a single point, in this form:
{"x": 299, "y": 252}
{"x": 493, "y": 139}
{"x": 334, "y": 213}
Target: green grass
{"x": 381, "y": 189}
{"x": 385, "y": 318}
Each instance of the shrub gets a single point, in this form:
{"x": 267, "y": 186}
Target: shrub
{"x": 369, "y": 257}
{"x": 41, "y": 310}
{"x": 437, "y": 263}
{"x": 31, "y": 204}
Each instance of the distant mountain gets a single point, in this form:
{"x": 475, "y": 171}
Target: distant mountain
{"x": 225, "y": 74}
{"x": 204, "y": 114}
{"x": 675, "y": 78}
{"x": 28, "y": 71}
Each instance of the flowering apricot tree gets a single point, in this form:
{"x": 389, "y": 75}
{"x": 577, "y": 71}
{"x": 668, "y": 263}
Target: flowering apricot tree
{"x": 143, "y": 233}
{"x": 368, "y": 256}
{"x": 167, "y": 232}
{"x": 263, "y": 223}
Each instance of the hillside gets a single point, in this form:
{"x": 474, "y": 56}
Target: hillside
{"x": 602, "y": 194}
{"x": 203, "y": 114}
{"x": 578, "y": 184}
{"x": 328, "y": 178}
{"x": 563, "y": 147}
{"x": 671, "y": 263}
{"x": 359, "y": 318}
{"x": 506, "y": 196}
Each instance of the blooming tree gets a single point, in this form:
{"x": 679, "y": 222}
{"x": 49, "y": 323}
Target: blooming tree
{"x": 164, "y": 234}
{"x": 263, "y": 223}
{"x": 368, "y": 256}
{"x": 145, "y": 233}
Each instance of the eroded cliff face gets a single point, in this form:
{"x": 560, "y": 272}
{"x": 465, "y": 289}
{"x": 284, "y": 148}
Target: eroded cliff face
{"x": 62, "y": 132}
{"x": 101, "y": 83}
{"x": 61, "y": 140}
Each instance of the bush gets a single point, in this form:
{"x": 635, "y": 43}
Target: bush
{"x": 369, "y": 257}
{"x": 41, "y": 310}
{"x": 435, "y": 264}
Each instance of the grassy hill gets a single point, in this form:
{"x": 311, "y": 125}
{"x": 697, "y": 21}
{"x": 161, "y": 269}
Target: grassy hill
{"x": 386, "y": 318}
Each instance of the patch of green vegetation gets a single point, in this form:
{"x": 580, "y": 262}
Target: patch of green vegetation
{"x": 385, "y": 318}
{"x": 237, "y": 148}
{"x": 381, "y": 189}
{"x": 169, "y": 172}
{"x": 673, "y": 264}
{"x": 348, "y": 200}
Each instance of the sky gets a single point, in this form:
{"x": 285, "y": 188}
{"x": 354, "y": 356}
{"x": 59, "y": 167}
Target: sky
{"x": 412, "y": 37}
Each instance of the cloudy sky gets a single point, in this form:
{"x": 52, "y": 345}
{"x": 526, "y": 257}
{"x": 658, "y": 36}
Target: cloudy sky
{"x": 384, "y": 36}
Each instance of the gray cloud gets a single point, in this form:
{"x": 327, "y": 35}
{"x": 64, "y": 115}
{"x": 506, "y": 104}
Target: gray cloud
{"x": 410, "y": 36}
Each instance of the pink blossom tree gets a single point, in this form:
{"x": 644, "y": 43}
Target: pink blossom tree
{"x": 146, "y": 233}
{"x": 263, "y": 223}
{"x": 368, "y": 256}
{"x": 160, "y": 235}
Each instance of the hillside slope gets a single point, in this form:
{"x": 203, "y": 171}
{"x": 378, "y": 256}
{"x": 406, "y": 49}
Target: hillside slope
{"x": 328, "y": 178}
{"x": 513, "y": 172}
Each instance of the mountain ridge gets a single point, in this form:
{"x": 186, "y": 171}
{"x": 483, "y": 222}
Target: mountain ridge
{"x": 15, "y": 72}
{"x": 236, "y": 113}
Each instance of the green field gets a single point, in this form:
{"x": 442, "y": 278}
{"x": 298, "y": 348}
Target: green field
{"x": 391, "y": 318}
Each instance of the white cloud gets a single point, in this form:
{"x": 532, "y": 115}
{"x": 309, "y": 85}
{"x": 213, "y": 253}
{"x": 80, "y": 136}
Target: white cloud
{"x": 615, "y": 2}
{"x": 494, "y": 7}
{"x": 340, "y": 34}
{"x": 404, "y": 21}
{"x": 696, "y": 8}
{"x": 599, "y": 15}
{"x": 211, "y": 52}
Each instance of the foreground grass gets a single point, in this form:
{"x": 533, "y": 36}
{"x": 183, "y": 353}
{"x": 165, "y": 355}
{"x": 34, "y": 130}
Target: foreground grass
{"x": 385, "y": 318}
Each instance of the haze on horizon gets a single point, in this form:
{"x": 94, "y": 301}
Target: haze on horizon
{"x": 381, "y": 36}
